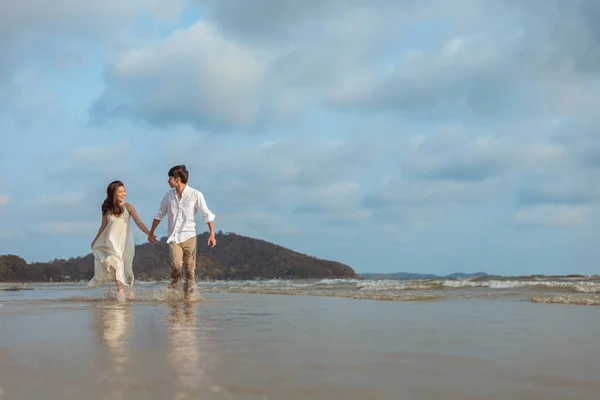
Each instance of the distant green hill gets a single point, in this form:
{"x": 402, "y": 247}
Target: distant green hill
{"x": 411, "y": 275}
{"x": 234, "y": 257}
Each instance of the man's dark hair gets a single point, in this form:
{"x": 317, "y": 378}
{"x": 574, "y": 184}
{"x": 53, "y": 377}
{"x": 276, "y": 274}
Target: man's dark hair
{"x": 179, "y": 171}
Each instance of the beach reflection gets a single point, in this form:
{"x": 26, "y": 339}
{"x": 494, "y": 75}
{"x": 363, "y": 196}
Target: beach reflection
{"x": 114, "y": 326}
{"x": 178, "y": 359}
{"x": 191, "y": 352}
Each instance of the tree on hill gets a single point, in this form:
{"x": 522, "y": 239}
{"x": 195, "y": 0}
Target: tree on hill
{"x": 234, "y": 257}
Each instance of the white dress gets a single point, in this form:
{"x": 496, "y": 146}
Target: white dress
{"x": 114, "y": 251}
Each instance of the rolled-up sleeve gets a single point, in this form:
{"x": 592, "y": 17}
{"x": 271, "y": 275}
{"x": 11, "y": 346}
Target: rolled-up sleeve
{"x": 162, "y": 210}
{"x": 202, "y": 208}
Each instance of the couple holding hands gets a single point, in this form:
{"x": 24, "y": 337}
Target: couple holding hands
{"x": 113, "y": 247}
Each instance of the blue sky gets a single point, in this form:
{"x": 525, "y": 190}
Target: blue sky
{"x": 421, "y": 136}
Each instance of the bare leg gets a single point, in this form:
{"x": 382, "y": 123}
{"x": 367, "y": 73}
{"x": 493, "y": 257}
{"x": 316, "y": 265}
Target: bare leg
{"x": 120, "y": 287}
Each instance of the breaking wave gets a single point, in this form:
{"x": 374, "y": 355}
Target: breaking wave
{"x": 577, "y": 300}
{"x": 422, "y": 289}
{"x": 540, "y": 289}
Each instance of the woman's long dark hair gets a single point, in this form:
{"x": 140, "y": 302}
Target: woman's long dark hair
{"x": 111, "y": 205}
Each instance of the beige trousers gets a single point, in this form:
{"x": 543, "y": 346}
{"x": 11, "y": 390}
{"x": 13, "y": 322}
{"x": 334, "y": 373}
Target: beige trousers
{"x": 183, "y": 253}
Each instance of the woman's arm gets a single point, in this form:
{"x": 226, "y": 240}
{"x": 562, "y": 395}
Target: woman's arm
{"x": 136, "y": 219}
{"x": 102, "y": 226}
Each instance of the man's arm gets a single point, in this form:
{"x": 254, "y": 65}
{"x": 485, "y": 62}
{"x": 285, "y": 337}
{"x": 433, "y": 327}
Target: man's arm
{"x": 208, "y": 216}
{"x": 160, "y": 213}
{"x": 151, "y": 235}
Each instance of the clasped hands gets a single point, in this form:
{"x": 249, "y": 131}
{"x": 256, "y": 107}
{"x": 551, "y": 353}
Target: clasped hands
{"x": 212, "y": 242}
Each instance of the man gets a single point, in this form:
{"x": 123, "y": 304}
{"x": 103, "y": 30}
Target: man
{"x": 181, "y": 204}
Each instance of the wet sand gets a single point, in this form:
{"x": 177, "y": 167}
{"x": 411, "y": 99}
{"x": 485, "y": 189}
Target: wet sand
{"x": 69, "y": 342}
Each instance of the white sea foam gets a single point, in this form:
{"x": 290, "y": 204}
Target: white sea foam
{"x": 577, "y": 300}
{"x": 587, "y": 287}
{"x": 376, "y": 286}
{"x": 391, "y": 284}
{"x": 277, "y": 283}
{"x": 508, "y": 284}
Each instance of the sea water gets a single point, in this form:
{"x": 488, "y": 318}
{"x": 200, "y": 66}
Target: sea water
{"x": 526, "y": 338}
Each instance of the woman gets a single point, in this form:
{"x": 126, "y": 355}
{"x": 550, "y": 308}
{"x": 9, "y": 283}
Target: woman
{"x": 113, "y": 247}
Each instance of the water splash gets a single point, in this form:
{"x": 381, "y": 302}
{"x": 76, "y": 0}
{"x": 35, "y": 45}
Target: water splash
{"x": 160, "y": 294}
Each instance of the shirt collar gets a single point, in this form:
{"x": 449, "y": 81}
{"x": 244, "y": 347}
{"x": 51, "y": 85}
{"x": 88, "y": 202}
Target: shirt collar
{"x": 185, "y": 190}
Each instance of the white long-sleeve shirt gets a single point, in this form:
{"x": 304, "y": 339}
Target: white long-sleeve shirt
{"x": 181, "y": 213}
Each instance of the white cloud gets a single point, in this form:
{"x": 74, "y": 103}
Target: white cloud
{"x": 341, "y": 51}
{"x": 459, "y": 153}
{"x": 551, "y": 216}
{"x": 197, "y": 75}
{"x": 206, "y": 76}
{"x": 524, "y": 68}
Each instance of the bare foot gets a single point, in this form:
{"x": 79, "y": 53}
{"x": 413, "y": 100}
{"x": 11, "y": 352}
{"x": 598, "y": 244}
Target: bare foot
{"x": 121, "y": 295}
{"x": 130, "y": 295}
{"x": 189, "y": 296}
